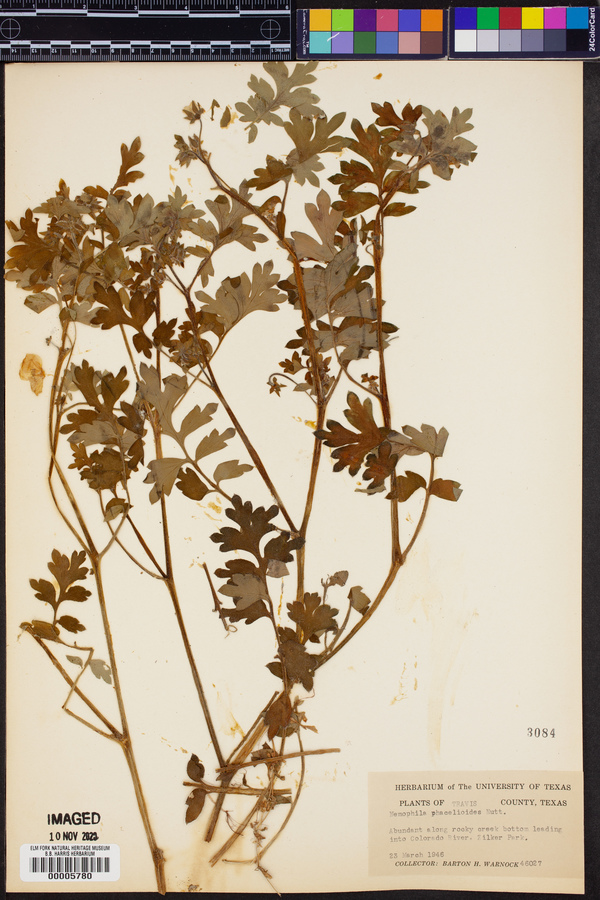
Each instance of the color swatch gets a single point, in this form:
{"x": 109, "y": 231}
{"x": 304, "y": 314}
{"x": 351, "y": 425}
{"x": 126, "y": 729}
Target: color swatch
{"x": 523, "y": 31}
{"x": 372, "y": 33}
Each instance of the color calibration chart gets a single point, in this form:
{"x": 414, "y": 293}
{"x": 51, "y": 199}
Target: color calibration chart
{"x": 556, "y": 31}
{"x": 372, "y": 33}
{"x": 465, "y": 32}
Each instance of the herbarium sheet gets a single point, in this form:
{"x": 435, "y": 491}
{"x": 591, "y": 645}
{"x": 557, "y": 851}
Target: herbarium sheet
{"x": 293, "y": 442}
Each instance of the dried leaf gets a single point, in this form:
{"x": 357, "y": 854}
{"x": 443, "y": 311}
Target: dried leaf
{"x": 195, "y": 804}
{"x": 196, "y": 418}
{"x": 313, "y": 616}
{"x": 351, "y": 446}
{"x": 428, "y": 440}
{"x": 358, "y": 599}
{"x": 101, "y": 670}
{"x": 191, "y": 485}
{"x": 254, "y": 524}
{"x": 338, "y": 578}
{"x": 311, "y": 138}
{"x": 406, "y": 485}
{"x": 115, "y": 508}
{"x": 195, "y": 769}
{"x": 447, "y": 490}
{"x": 278, "y": 715}
{"x": 289, "y": 91}
{"x": 237, "y": 297}
{"x": 277, "y": 569}
{"x": 225, "y": 118}
{"x": 213, "y": 442}
{"x": 162, "y": 399}
{"x": 275, "y": 171}
{"x": 130, "y": 156}
{"x": 380, "y": 465}
{"x": 76, "y": 660}
{"x": 71, "y": 624}
{"x": 245, "y": 590}
{"x": 298, "y": 663}
{"x": 44, "y": 630}
{"x": 325, "y": 221}
{"x": 229, "y": 215}
{"x": 32, "y": 371}
{"x": 233, "y": 468}
{"x": 39, "y": 302}
{"x": 162, "y": 475}
{"x": 447, "y": 150}
{"x": 45, "y": 591}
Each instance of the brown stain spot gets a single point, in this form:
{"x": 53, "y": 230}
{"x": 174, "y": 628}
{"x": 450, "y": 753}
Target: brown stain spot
{"x": 216, "y": 508}
{"x": 377, "y": 77}
{"x": 32, "y": 371}
{"x": 401, "y": 695}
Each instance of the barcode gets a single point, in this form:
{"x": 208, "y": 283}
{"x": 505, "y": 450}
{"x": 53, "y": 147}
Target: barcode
{"x": 43, "y": 864}
{"x": 70, "y": 862}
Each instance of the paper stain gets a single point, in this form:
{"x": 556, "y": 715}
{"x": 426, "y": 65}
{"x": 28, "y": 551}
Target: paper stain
{"x": 448, "y": 620}
{"x": 215, "y": 507}
{"x": 172, "y": 172}
{"x": 377, "y": 77}
{"x": 401, "y": 695}
{"x": 308, "y": 422}
{"x": 235, "y": 727}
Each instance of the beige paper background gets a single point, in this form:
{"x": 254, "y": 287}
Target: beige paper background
{"x": 479, "y": 639}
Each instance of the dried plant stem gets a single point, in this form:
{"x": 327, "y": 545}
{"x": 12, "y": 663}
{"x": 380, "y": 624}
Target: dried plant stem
{"x": 115, "y": 734}
{"x": 243, "y": 749}
{"x": 294, "y": 802}
{"x": 378, "y": 249}
{"x": 275, "y": 759}
{"x": 312, "y": 483}
{"x": 214, "y": 385}
{"x": 219, "y": 789}
{"x": 157, "y": 854}
{"x": 240, "y": 829}
{"x": 124, "y": 737}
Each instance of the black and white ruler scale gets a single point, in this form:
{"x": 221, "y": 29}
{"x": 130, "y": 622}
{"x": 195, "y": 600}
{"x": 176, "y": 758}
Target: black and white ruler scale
{"x": 146, "y": 30}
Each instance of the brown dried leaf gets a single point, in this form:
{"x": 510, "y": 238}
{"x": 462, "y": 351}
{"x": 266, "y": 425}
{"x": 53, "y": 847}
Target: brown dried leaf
{"x": 278, "y": 715}
{"x": 71, "y": 624}
{"x": 358, "y": 599}
{"x": 44, "y": 630}
{"x": 130, "y": 157}
{"x": 325, "y": 221}
{"x": 45, "y": 591}
{"x": 233, "y": 468}
{"x": 195, "y": 769}
{"x": 162, "y": 475}
{"x": 428, "y": 440}
{"x": 338, "y": 578}
{"x": 245, "y": 590}
{"x": 299, "y": 665}
{"x": 406, "y": 485}
{"x": 351, "y": 446}
{"x": 380, "y": 465}
{"x": 32, "y": 371}
{"x": 313, "y": 616}
{"x": 191, "y": 485}
{"x": 277, "y": 569}
{"x": 39, "y": 302}
{"x": 195, "y": 804}
{"x": 447, "y": 490}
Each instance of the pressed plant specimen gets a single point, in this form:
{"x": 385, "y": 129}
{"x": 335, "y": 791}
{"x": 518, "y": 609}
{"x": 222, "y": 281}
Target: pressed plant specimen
{"x": 143, "y": 274}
